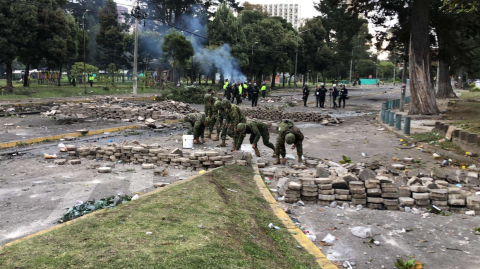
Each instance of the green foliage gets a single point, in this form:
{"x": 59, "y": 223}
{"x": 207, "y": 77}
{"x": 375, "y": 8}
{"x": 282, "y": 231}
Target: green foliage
{"x": 110, "y": 36}
{"x": 79, "y": 210}
{"x": 77, "y": 69}
{"x": 408, "y": 264}
{"x": 385, "y": 69}
{"x": 475, "y": 89}
{"x": 177, "y": 47}
{"x": 366, "y": 68}
{"x": 345, "y": 160}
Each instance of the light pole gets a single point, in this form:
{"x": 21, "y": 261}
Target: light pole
{"x": 252, "y": 57}
{"x": 135, "y": 50}
{"x": 296, "y": 59}
{"x": 84, "y": 68}
{"x": 351, "y": 63}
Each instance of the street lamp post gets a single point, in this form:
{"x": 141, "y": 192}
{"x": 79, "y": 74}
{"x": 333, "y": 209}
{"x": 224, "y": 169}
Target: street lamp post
{"x": 84, "y": 53}
{"x": 296, "y": 59}
{"x": 252, "y": 57}
{"x": 135, "y": 52}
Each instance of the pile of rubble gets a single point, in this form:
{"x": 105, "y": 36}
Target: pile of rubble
{"x": 282, "y": 99}
{"x": 158, "y": 111}
{"x": 276, "y": 114}
{"x": 376, "y": 187}
{"x": 152, "y": 156}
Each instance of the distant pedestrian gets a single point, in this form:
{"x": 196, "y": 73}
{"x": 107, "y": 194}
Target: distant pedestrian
{"x": 335, "y": 93}
{"x": 263, "y": 90}
{"x": 323, "y": 94}
{"x": 306, "y": 93}
{"x": 343, "y": 96}
{"x": 90, "y": 80}
{"x": 253, "y": 94}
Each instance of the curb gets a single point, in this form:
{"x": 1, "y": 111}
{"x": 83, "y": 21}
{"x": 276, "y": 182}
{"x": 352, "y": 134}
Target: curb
{"x": 99, "y": 211}
{"x": 301, "y": 238}
{"x": 428, "y": 148}
{"x": 57, "y": 137}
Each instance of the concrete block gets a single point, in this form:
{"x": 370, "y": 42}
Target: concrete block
{"x": 342, "y": 191}
{"x": 376, "y": 200}
{"x": 372, "y": 184}
{"x": 406, "y": 201}
{"x": 325, "y": 186}
{"x": 324, "y": 197}
{"x": 404, "y": 191}
{"x": 104, "y": 170}
{"x": 374, "y": 192}
{"x": 357, "y": 190}
{"x": 310, "y": 188}
{"x": 390, "y": 202}
{"x": 367, "y": 174}
{"x": 343, "y": 197}
{"x": 321, "y": 172}
{"x": 422, "y": 202}
{"x": 327, "y": 192}
{"x": 148, "y": 166}
{"x": 309, "y": 193}
{"x": 323, "y": 180}
{"x": 74, "y": 162}
{"x": 456, "y": 202}
{"x": 418, "y": 189}
{"x": 357, "y": 201}
{"x": 359, "y": 196}
{"x": 390, "y": 195}
{"x": 421, "y": 196}
{"x": 339, "y": 184}
{"x": 473, "y": 202}
{"x": 294, "y": 186}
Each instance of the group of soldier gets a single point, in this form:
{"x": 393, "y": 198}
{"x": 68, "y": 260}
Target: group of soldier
{"x": 229, "y": 120}
{"x": 321, "y": 93}
{"x": 235, "y": 92}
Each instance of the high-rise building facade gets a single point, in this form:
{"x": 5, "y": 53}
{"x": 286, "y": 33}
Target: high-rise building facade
{"x": 288, "y": 11}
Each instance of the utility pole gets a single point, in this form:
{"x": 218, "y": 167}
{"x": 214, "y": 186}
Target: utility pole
{"x": 394, "y": 67}
{"x": 135, "y": 53}
{"x": 351, "y": 63}
{"x": 84, "y": 54}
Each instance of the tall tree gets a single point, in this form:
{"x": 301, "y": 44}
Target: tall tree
{"x": 314, "y": 39}
{"x": 177, "y": 48}
{"x": 15, "y": 27}
{"x": 110, "y": 36}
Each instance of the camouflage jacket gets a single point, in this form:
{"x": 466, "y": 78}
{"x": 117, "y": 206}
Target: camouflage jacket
{"x": 197, "y": 120}
{"x": 256, "y": 128}
{"x": 284, "y": 128}
{"x": 210, "y": 108}
{"x": 235, "y": 116}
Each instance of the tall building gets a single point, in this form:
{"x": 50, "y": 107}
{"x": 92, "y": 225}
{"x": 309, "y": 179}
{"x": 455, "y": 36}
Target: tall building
{"x": 288, "y": 11}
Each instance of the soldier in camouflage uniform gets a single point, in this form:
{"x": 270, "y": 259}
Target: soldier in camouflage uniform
{"x": 222, "y": 115}
{"x": 210, "y": 112}
{"x": 234, "y": 117}
{"x": 257, "y": 129}
{"x": 195, "y": 123}
{"x": 288, "y": 132}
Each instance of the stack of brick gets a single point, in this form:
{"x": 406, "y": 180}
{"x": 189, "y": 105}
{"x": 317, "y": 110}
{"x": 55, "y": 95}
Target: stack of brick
{"x": 374, "y": 194}
{"x": 279, "y": 114}
{"x": 153, "y": 154}
{"x": 326, "y": 193}
{"x": 389, "y": 194}
{"x": 359, "y": 192}
{"x": 439, "y": 198}
{"x": 456, "y": 198}
{"x": 161, "y": 111}
{"x": 309, "y": 190}
{"x": 293, "y": 192}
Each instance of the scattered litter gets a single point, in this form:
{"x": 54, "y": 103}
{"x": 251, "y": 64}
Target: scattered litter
{"x": 200, "y": 226}
{"x": 347, "y": 264}
{"x": 361, "y": 232}
{"x": 82, "y": 208}
{"x": 312, "y": 237}
{"x": 444, "y": 163}
{"x": 11, "y": 109}
{"x": 110, "y": 140}
{"x": 148, "y": 233}
{"x": 271, "y": 226}
{"x": 290, "y": 157}
{"x": 470, "y": 213}
{"x": 381, "y": 129}
{"x": 329, "y": 239}
{"x": 48, "y": 156}
{"x": 232, "y": 190}
{"x": 435, "y": 155}
{"x": 458, "y": 185}
{"x": 62, "y": 147}
{"x": 364, "y": 155}
{"x": 135, "y": 197}
{"x": 377, "y": 243}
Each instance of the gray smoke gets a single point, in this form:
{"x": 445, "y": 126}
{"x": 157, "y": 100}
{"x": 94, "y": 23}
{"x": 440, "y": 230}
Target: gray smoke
{"x": 210, "y": 59}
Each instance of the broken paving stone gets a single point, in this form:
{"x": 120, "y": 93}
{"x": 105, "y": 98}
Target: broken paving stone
{"x": 148, "y": 166}
{"x": 74, "y": 162}
{"x": 104, "y": 170}
{"x": 177, "y": 151}
{"x": 294, "y": 186}
{"x": 367, "y": 174}
{"x": 60, "y": 161}
{"x": 361, "y": 232}
{"x": 160, "y": 184}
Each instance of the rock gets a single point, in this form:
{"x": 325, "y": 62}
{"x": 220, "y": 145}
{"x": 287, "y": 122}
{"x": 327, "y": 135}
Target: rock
{"x": 104, "y": 170}
{"x": 408, "y": 209}
{"x": 333, "y": 204}
{"x": 340, "y": 170}
{"x": 160, "y": 171}
{"x": 367, "y": 174}
{"x": 60, "y": 161}
{"x": 359, "y": 207}
{"x": 361, "y": 232}
{"x": 350, "y": 177}
{"x": 321, "y": 172}
{"x": 413, "y": 180}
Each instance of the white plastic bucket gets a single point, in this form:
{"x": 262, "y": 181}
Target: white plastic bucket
{"x": 247, "y": 148}
{"x": 187, "y": 141}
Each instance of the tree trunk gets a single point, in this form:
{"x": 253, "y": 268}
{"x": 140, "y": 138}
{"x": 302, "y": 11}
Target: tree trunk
{"x": 423, "y": 94}
{"x": 274, "y": 75}
{"x": 445, "y": 89}
{"x": 9, "y": 76}
{"x": 283, "y": 79}
{"x": 25, "y": 77}
{"x": 289, "y": 80}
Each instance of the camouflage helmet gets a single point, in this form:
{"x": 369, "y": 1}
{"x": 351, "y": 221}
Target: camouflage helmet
{"x": 207, "y": 97}
{"x": 225, "y": 103}
{"x": 241, "y": 127}
{"x": 290, "y": 138}
{"x": 218, "y": 105}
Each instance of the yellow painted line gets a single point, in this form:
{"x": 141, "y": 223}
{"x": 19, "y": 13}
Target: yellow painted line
{"x": 60, "y": 136}
{"x": 100, "y": 211}
{"x": 298, "y": 234}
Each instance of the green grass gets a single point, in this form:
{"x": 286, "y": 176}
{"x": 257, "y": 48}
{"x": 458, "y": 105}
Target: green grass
{"x": 433, "y": 138}
{"x": 234, "y": 233}
{"x": 465, "y": 113}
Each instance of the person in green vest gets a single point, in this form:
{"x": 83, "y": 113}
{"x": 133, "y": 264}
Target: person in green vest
{"x": 239, "y": 96}
{"x": 263, "y": 90}
{"x": 90, "y": 80}
{"x": 245, "y": 90}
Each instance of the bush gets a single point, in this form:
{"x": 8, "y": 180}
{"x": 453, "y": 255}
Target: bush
{"x": 476, "y": 89}
{"x": 471, "y": 85}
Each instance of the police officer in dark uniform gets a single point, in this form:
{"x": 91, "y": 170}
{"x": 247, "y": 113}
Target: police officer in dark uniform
{"x": 306, "y": 93}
